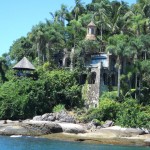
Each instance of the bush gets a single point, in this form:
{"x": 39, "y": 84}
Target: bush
{"x": 58, "y": 108}
{"x": 109, "y": 95}
{"x": 107, "y": 111}
{"x": 22, "y": 98}
{"x": 131, "y": 114}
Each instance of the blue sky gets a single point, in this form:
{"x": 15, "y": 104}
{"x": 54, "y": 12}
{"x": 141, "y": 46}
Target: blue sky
{"x": 18, "y": 16}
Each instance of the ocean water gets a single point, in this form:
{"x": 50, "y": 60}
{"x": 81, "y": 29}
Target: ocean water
{"x": 30, "y": 143}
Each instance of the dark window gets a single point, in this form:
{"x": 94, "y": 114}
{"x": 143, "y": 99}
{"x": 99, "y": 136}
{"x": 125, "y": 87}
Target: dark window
{"x": 82, "y": 78}
{"x": 92, "y": 78}
{"x": 105, "y": 78}
{"x": 60, "y": 63}
{"x": 113, "y": 81}
{"x": 92, "y": 31}
{"x": 67, "y": 62}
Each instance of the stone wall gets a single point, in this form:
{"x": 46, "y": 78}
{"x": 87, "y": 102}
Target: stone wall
{"x": 93, "y": 89}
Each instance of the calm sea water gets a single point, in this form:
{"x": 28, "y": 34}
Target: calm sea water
{"x": 28, "y": 143}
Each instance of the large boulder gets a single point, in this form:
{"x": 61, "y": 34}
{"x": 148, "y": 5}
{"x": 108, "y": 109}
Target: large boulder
{"x": 37, "y": 118}
{"x": 63, "y": 116}
{"x": 13, "y": 130}
{"x": 108, "y": 123}
{"x": 92, "y": 125}
{"x": 43, "y": 127}
{"x": 134, "y": 131}
{"x": 49, "y": 117}
{"x": 123, "y": 132}
{"x": 72, "y": 128}
{"x": 33, "y": 128}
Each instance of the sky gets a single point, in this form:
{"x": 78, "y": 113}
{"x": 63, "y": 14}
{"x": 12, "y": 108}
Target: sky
{"x": 19, "y": 16}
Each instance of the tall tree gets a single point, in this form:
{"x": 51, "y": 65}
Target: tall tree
{"x": 117, "y": 45}
{"x": 20, "y": 48}
{"x": 78, "y": 9}
{"x": 38, "y": 38}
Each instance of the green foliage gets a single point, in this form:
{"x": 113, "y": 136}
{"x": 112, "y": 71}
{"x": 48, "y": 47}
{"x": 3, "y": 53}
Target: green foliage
{"x": 20, "y": 48}
{"x": 24, "y": 98}
{"x": 107, "y": 110}
{"x": 63, "y": 88}
{"x": 109, "y": 95}
{"x": 58, "y": 108}
{"x": 131, "y": 114}
{"x": 89, "y": 47}
{"x": 122, "y": 31}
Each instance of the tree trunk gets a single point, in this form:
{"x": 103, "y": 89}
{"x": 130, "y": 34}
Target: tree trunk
{"x": 101, "y": 32}
{"x": 145, "y": 56}
{"x": 135, "y": 85}
{"x": 119, "y": 69}
{"x": 38, "y": 52}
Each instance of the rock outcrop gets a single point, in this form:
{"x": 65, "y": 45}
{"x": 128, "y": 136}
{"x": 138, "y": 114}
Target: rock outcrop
{"x": 72, "y": 128}
{"x": 37, "y": 128}
{"x": 122, "y": 132}
{"x": 62, "y": 116}
{"x": 147, "y": 142}
{"x": 29, "y": 128}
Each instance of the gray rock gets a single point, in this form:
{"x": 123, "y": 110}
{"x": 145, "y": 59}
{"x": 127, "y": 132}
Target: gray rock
{"x": 147, "y": 142}
{"x": 147, "y": 131}
{"x": 72, "y": 128}
{"x": 45, "y": 116}
{"x": 63, "y": 116}
{"x": 123, "y": 132}
{"x": 33, "y": 128}
{"x": 108, "y": 123}
{"x": 43, "y": 127}
{"x": 134, "y": 131}
{"x": 37, "y": 118}
{"x": 51, "y": 118}
{"x": 98, "y": 127}
{"x": 91, "y": 125}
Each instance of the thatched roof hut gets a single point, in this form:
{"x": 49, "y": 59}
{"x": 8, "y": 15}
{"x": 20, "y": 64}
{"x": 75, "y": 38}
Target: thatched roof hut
{"x": 24, "y": 64}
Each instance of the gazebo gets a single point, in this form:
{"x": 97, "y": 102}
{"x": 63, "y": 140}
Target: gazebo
{"x": 23, "y": 67}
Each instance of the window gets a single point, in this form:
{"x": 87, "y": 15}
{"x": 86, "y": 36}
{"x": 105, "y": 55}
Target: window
{"x": 92, "y": 31}
{"x": 105, "y": 78}
{"x": 82, "y": 78}
{"x": 113, "y": 81}
{"x": 67, "y": 62}
{"x": 92, "y": 78}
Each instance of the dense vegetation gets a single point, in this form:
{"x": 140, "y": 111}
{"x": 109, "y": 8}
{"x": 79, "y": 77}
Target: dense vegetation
{"x": 122, "y": 30}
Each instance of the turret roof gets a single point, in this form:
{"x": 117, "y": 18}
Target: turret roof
{"x": 91, "y": 24}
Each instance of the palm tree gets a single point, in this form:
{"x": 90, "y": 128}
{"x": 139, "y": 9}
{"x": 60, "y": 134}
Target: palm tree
{"x": 117, "y": 45}
{"x": 136, "y": 45}
{"x": 101, "y": 17}
{"x": 38, "y": 38}
{"x": 60, "y": 15}
{"x": 54, "y": 36}
{"x": 78, "y": 9}
{"x": 117, "y": 12}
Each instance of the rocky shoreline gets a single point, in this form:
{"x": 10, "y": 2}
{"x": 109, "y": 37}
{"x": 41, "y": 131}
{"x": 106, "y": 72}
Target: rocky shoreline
{"x": 67, "y": 129}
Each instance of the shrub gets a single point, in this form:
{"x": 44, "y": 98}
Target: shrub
{"x": 58, "y": 108}
{"x": 131, "y": 114}
{"x": 107, "y": 110}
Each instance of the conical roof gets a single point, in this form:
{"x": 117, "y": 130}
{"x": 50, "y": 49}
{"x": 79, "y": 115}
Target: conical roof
{"x": 91, "y": 24}
{"x": 24, "y": 64}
